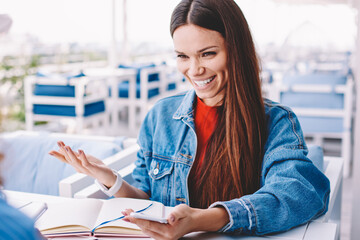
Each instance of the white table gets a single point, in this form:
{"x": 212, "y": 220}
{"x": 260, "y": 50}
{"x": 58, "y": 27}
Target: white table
{"x": 314, "y": 230}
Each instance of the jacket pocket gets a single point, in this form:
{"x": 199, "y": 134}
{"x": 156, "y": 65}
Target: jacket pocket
{"x": 161, "y": 178}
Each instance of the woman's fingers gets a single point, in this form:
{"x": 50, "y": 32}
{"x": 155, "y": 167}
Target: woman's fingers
{"x": 84, "y": 161}
{"x": 153, "y": 229}
{"x": 77, "y": 160}
{"x": 72, "y": 156}
{"x": 181, "y": 211}
{"x": 127, "y": 212}
{"x": 180, "y": 223}
{"x": 58, "y": 156}
{"x": 63, "y": 151}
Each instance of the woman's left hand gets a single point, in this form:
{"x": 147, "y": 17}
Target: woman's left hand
{"x": 180, "y": 222}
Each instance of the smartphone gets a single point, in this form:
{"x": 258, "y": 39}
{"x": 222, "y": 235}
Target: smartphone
{"x": 148, "y": 217}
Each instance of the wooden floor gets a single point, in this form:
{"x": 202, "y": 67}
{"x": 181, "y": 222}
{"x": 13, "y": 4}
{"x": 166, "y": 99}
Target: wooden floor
{"x": 346, "y": 209}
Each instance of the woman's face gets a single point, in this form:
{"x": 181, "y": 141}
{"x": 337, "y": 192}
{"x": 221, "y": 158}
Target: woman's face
{"x": 201, "y": 57}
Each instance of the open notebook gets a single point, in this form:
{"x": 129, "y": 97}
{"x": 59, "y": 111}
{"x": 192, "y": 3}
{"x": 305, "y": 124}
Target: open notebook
{"x": 96, "y": 217}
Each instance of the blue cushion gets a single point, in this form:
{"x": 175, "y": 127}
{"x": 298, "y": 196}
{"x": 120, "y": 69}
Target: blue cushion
{"x": 316, "y": 155}
{"x": 138, "y": 68}
{"x": 312, "y": 100}
{"x": 56, "y": 90}
{"x": 28, "y": 167}
{"x": 124, "y": 90}
{"x": 59, "y": 110}
{"x": 315, "y": 78}
{"x": 171, "y": 86}
{"x": 321, "y": 124}
{"x": 68, "y": 76}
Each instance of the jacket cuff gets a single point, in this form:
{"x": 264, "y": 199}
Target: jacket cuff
{"x": 241, "y": 215}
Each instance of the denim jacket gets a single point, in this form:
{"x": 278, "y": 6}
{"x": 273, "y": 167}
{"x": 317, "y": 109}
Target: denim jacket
{"x": 292, "y": 190}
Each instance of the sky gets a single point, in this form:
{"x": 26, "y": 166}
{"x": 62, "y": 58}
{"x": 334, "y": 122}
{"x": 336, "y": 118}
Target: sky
{"x": 86, "y": 21}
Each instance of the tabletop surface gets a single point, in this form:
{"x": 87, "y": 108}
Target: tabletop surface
{"x": 312, "y": 230}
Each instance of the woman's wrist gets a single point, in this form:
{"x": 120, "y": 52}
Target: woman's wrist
{"x": 111, "y": 180}
{"x": 113, "y": 188}
{"x": 211, "y": 219}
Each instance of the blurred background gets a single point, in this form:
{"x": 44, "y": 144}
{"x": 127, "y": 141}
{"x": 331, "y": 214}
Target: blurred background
{"x": 53, "y": 35}
{"x": 96, "y": 67}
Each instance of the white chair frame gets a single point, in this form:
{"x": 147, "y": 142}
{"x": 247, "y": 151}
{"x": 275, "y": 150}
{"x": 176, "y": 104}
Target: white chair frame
{"x": 334, "y": 172}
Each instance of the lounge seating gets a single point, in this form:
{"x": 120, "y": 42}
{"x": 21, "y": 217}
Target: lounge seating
{"x": 28, "y": 167}
{"x": 323, "y": 103}
{"x": 323, "y": 99}
{"x": 75, "y": 99}
{"x": 133, "y": 90}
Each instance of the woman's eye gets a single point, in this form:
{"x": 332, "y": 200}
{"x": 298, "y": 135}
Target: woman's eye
{"x": 206, "y": 54}
{"x": 181, "y": 56}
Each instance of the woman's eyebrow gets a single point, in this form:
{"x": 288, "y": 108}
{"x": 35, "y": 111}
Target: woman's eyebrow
{"x": 178, "y": 52}
{"x": 207, "y": 48}
{"x": 201, "y": 50}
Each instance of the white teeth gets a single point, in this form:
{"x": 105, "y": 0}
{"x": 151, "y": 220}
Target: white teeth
{"x": 203, "y": 83}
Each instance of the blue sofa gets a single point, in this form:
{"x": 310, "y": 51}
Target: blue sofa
{"x": 28, "y": 167}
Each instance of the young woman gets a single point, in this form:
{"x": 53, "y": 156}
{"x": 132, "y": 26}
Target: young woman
{"x": 227, "y": 159}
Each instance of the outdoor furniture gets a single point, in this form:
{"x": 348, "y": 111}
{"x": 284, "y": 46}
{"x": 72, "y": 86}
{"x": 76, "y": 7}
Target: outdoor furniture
{"x": 133, "y": 89}
{"x": 152, "y": 82}
{"x": 323, "y": 102}
{"x": 28, "y": 167}
{"x": 75, "y": 100}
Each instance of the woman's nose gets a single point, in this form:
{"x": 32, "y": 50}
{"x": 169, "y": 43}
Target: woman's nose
{"x": 195, "y": 68}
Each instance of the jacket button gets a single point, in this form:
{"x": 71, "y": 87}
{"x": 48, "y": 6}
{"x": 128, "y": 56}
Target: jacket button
{"x": 156, "y": 171}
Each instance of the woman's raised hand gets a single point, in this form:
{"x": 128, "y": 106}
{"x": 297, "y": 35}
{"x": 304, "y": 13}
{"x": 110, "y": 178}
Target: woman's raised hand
{"x": 86, "y": 164}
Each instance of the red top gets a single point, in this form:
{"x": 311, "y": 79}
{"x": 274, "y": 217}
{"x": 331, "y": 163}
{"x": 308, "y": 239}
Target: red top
{"x": 205, "y": 123}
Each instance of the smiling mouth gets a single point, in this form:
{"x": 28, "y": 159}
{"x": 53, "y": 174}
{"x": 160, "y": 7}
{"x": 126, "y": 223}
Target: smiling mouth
{"x": 204, "y": 82}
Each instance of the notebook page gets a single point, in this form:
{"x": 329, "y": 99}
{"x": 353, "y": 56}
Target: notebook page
{"x": 112, "y": 209}
{"x": 75, "y": 212}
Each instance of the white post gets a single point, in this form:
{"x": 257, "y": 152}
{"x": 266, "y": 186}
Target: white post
{"x": 112, "y": 52}
{"x": 125, "y": 43}
{"x": 355, "y": 218}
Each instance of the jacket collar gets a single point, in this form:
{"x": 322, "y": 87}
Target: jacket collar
{"x": 186, "y": 107}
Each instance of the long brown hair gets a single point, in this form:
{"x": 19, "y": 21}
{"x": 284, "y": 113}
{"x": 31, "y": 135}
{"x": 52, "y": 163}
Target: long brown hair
{"x": 233, "y": 157}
